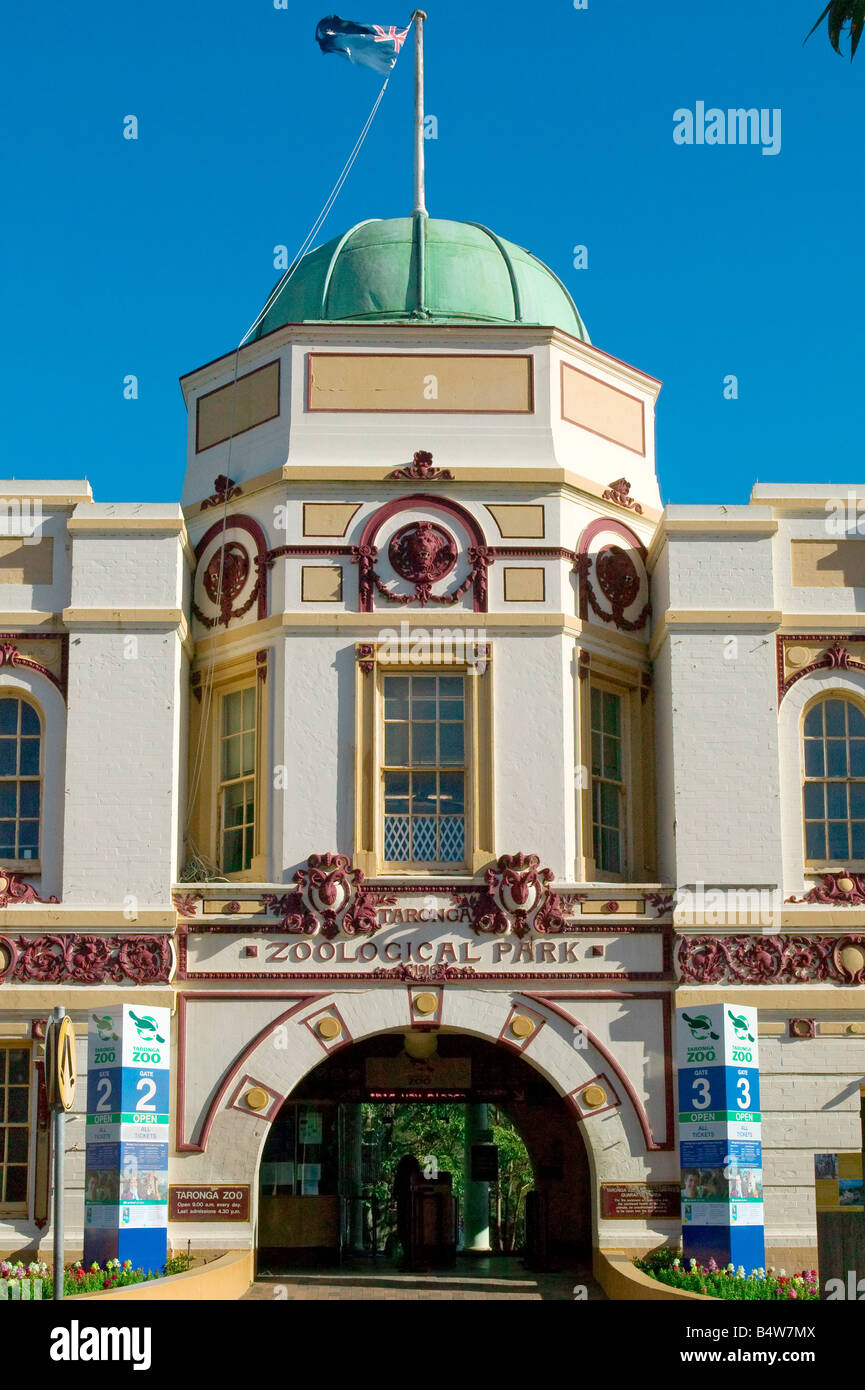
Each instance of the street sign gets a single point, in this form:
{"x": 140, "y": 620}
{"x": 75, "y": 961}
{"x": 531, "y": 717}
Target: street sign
{"x": 60, "y": 1072}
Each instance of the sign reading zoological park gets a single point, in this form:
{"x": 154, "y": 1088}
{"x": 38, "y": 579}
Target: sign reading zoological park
{"x": 126, "y": 1177}
{"x": 334, "y": 926}
{"x": 720, "y": 1135}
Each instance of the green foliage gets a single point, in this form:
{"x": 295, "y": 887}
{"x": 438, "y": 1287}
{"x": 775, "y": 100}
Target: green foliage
{"x": 761, "y": 1285}
{"x": 840, "y": 15}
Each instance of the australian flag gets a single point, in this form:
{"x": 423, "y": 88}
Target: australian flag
{"x": 369, "y": 45}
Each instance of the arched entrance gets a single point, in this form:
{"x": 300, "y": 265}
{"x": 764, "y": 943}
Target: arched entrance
{"x": 500, "y": 1163}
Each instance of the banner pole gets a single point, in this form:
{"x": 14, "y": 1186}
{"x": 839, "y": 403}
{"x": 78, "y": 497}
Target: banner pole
{"x": 59, "y": 1139}
{"x": 419, "y": 192}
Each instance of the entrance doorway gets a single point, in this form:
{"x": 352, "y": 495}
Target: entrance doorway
{"x": 499, "y": 1162}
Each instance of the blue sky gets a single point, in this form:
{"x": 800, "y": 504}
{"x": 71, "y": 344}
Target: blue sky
{"x": 151, "y": 257}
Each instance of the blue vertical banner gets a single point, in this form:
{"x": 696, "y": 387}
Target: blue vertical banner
{"x": 126, "y": 1177}
{"x": 720, "y": 1135}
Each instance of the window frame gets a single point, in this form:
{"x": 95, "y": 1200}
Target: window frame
{"x": 237, "y": 688}
{"x": 623, "y": 782}
{"x": 827, "y": 865}
{"x": 28, "y": 866}
{"x": 369, "y": 762}
{"x": 22, "y": 1207}
{"x": 638, "y": 768}
{"x": 434, "y": 866}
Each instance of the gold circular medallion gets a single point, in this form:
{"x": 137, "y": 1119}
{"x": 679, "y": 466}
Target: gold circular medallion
{"x": 522, "y": 1027}
{"x": 796, "y": 655}
{"x": 852, "y": 958}
{"x": 257, "y": 1098}
{"x": 593, "y": 1096}
{"x": 846, "y": 884}
{"x": 328, "y": 1028}
{"x": 425, "y": 1004}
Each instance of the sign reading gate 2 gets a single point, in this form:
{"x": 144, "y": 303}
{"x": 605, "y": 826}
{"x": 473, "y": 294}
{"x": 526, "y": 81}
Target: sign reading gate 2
{"x": 126, "y": 1179}
{"x": 720, "y": 1135}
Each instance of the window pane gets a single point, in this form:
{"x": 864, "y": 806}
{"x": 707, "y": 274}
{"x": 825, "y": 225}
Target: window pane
{"x": 613, "y": 759}
{"x": 16, "y": 1104}
{"x": 836, "y": 800}
{"x": 28, "y": 838}
{"x": 423, "y": 709}
{"x": 231, "y": 712}
{"x": 857, "y": 757}
{"x": 249, "y": 707}
{"x": 396, "y": 687}
{"x": 836, "y": 757}
{"x": 612, "y": 706}
{"x": 815, "y": 840}
{"x": 610, "y": 852}
{"x": 396, "y": 744}
{"x": 16, "y": 1184}
{"x": 231, "y": 757}
{"x": 597, "y": 710}
{"x": 423, "y": 801}
{"x": 451, "y": 688}
{"x": 835, "y": 717}
{"x": 7, "y": 799}
{"x": 857, "y": 840}
{"x": 232, "y": 854}
{"x": 814, "y": 765}
{"x": 596, "y": 755}
{"x": 451, "y": 793}
{"x": 838, "y": 840}
{"x": 451, "y": 743}
{"x": 19, "y": 1065}
{"x": 815, "y": 807}
{"x": 609, "y": 804}
{"x": 396, "y": 704}
{"x": 7, "y": 839}
{"x": 30, "y": 719}
{"x": 452, "y": 839}
{"x": 29, "y": 756}
{"x": 857, "y": 799}
{"x": 423, "y": 687}
{"x": 814, "y": 722}
{"x": 396, "y": 786}
{"x": 9, "y": 716}
{"x": 8, "y": 759}
{"x": 423, "y": 744}
{"x": 232, "y": 812}
{"x": 16, "y": 1151}
{"x": 855, "y": 720}
{"x": 248, "y": 763}
{"x": 29, "y": 799}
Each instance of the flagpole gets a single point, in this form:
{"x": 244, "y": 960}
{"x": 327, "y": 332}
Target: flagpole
{"x": 419, "y": 204}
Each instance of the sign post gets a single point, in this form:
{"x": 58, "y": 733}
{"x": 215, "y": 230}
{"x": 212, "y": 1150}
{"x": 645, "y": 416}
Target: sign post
{"x": 126, "y": 1178}
{"x": 60, "y": 1077}
{"x": 720, "y": 1135}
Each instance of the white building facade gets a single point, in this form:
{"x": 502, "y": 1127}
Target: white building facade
{"x": 421, "y": 718}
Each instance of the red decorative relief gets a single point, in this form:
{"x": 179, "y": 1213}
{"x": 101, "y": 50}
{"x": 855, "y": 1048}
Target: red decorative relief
{"x": 330, "y": 898}
{"x": 418, "y": 551}
{"x": 836, "y": 657}
{"x": 829, "y": 892}
{"x": 228, "y": 570}
{"x": 615, "y": 572}
{"x": 421, "y": 470}
{"x": 365, "y": 654}
{"x": 661, "y": 902}
{"x": 187, "y": 903}
{"x": 423, "y": 972}
{"x": 224, "y": 489}
{"x": 11, "y": 656}
{"x": 518, "y": 899}
{"x": 769, "y": 960}
{"x": 67, "y": 959}
{"x": 620, "y": 492}
{"x": 14, "y": 890}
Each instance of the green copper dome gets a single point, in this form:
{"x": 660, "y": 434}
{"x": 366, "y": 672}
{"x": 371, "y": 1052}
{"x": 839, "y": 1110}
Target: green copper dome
{"x": 374, "y": 274}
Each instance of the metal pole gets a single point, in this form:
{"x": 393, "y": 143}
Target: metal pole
{"x": 419, "y": 204}
{"x": 59, "y": 1137}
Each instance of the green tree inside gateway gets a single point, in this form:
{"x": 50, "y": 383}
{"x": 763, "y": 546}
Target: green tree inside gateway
{"x": 841, "y": 15}
{"x": 438, "y": 1132}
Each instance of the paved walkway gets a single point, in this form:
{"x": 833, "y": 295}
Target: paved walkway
{"x": 496, "y": 1278}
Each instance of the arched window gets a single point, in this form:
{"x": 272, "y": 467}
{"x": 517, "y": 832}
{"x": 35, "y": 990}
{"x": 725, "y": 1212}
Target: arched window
{"x": 834, "y": 790}
{"x": 20, "y": 779}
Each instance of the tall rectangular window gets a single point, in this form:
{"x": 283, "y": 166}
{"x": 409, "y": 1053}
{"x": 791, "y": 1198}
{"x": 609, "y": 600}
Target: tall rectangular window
{"x": 424, "y": 770}
{"x": 20, "y": 781}
{"x": 237, "y": 780}
{"x": 14, "y": 1123}
{"x": 608, "y": 781}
